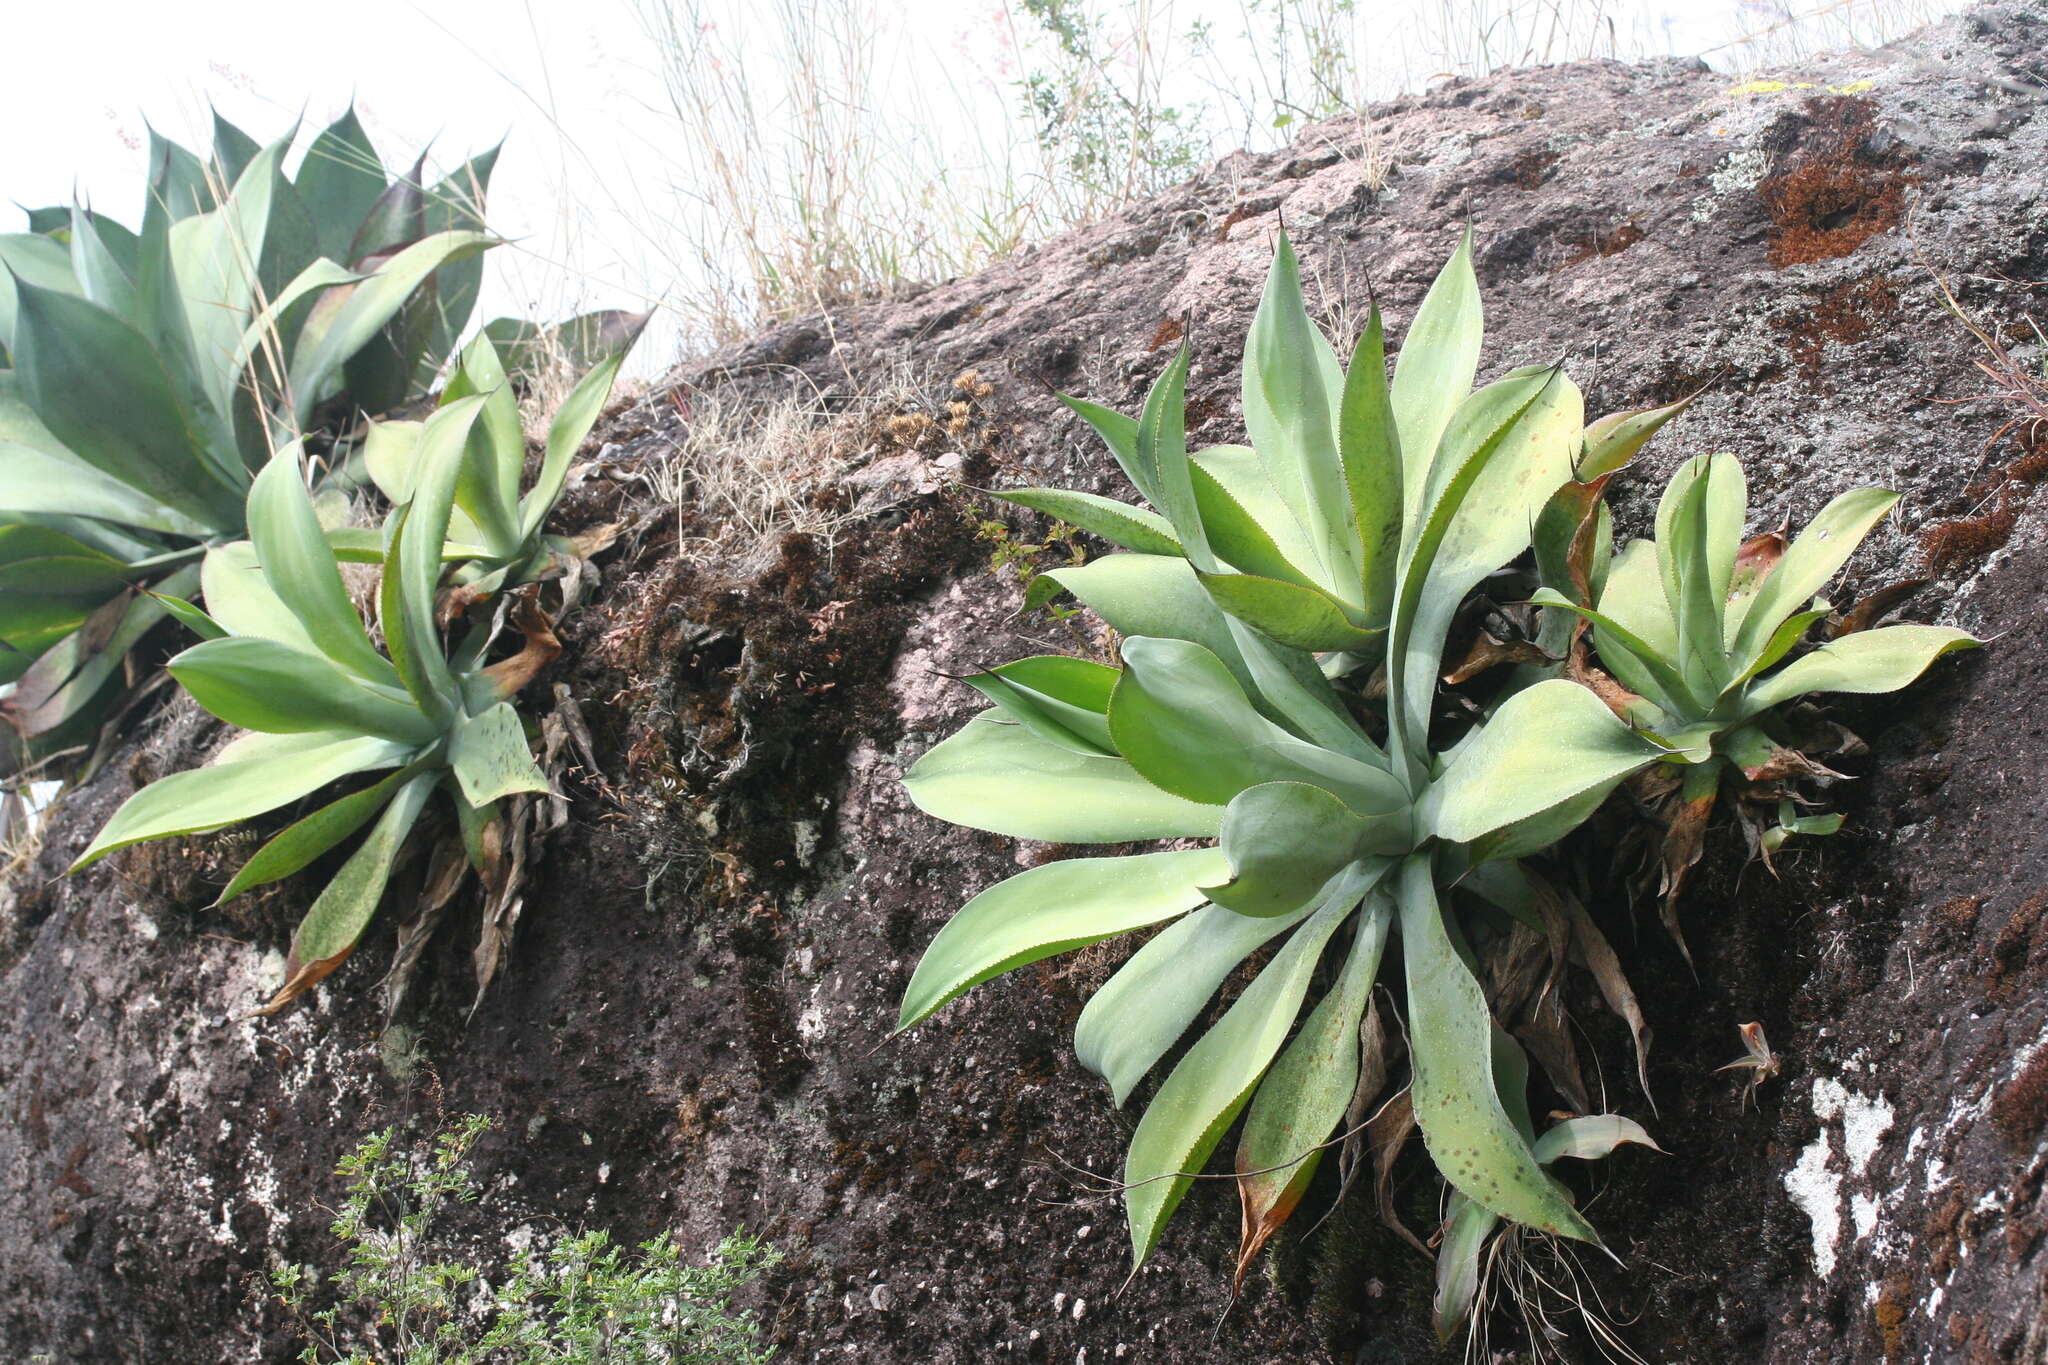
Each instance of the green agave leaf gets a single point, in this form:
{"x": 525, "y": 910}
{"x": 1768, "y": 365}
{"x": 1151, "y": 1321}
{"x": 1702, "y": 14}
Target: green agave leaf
{"x": 1369, "y": 443}
{"x": 263, "y": 685}
{"x": 1433, "y": 374}
{"x": 212, "y": 260}
{"x": 396, "y": 219}
{"x": 1304, "y": 1097}
{"x": 1466, "y": 1228}
{"x": 100, "y": 275}
{"x": 1545, "y": 746}
{"x": 1061, "y": 700}
{"x": 1612, "y": 441}
{"x": 101, "y": 389}
{"x": 191, "y": 617}
{"x": 1292, "y": 393}
{"x": 1007, "y": 780}
{"x": 60, "y": 697}
{"x": 48, "y": 483}
{"x": 1163, "y": 448}
{"x": 233, "y": 149}
{"x": 300, "y": 842}
{"x": 201, "y": 799}
{"x": 456, "y": 202}
{"x": 1205, "y": 1091}
{"x": 36, "y": 260}
{"x": 1133, "y": 528}
{"x": 491, "y": 757}
{"x": 292, "y": 548}
{"x": 243, "y": 602}
{"x": 1781, "y": 642}
{"x": 1144, "y": 1008}
{"x": 1699, "y": 529}
{"x": 1120, "y": 434}
{"x": 1469, "y": 1132}
{"x": 272, "y": 320}
{"x": 1288, "y": 614}
{"x": 1505, "y": 452}
{"x": 573, "y": 420}
{"x": 1183, "y": 722}
{"x": 340, "y": 180}
{"x": 1627, "y": 655}
{"x": 178, "y": 184}
{"x": 358, "y": 312}
{"x": 1814, "y": 558}
{"x": 413, "y": 569}
{"x": 390, "y": 454}
{"x": 1636, "y": 623}
{"x": 1238, "y": 535}
{"x": 1053, "y": 909}
{"x": 1156, "y": 596}
{"x": 343, "y": 910}
{"x": 44, "y": 599}
{"x": 488, "y": 486}
{"x": 1882, "y": 660}
{"x": 1286, "y": 840}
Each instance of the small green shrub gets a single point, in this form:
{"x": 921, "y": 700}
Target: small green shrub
{"x": 562, "y": 1297}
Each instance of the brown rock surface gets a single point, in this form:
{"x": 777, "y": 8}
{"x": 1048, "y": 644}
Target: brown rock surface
{"x": 690, "y": 1030}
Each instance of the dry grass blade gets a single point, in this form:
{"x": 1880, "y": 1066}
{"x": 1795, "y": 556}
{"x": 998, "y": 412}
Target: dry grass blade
{"x": 1591, "y": 950}
{"x": 446, "y": 871}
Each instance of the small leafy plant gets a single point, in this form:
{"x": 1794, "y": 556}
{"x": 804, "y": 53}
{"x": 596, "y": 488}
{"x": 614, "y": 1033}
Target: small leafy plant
{"x": 1699, "y": 625}
{"x": 569, "y": 1298}
{"x": 1339, "y": 545}
{"x": 286, "y": 656}
{"x": 151, "y": 374}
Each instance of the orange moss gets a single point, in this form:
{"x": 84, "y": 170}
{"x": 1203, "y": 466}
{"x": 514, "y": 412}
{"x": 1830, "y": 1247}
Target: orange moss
{"x": 2021, "y": 1110}
{"x": 1529, "y": 170}
{"x": 1965, "y": 540}
{"x": 1615, "y": 240}
{"x": 1890, "y": 1312}
{"x": 1837, "y": 194}
{"x": 1847, "y": 313}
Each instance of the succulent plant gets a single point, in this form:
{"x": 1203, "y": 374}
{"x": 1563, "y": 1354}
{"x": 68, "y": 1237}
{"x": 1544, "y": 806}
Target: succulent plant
{"x": 151, "y": 374}
{"x": 1342, "y": 541}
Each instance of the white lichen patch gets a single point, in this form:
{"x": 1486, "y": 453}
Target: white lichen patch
{"x": 1817, "y": 1188}
{"x": 1738, "y": 173}
{"x": 1818, "y": 1193}
{"x": 1865, "y": 1119}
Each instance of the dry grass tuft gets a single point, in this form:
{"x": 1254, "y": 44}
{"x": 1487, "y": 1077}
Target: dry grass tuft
{"x": 750, "y": 470}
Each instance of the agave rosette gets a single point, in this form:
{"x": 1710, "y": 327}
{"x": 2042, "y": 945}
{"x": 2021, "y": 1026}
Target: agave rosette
{"x": 151, "y": 374}
{"x": 1342, "y": 540}
{"x": 288, "y": 658}
{"x": 1701, "y": 625}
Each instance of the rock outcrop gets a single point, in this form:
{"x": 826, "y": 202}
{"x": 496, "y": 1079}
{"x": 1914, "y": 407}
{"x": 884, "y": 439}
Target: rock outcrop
{"x": 691, "y": 1028}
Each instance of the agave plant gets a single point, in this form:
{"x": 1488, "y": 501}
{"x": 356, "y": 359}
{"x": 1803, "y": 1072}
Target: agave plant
{"x": 1697, "y": 627}
{"x": 152, "y": 373}
{"x": 1343, "y": 540}
{"x": 495, "y": 526}
{"x": 288, "y": 658}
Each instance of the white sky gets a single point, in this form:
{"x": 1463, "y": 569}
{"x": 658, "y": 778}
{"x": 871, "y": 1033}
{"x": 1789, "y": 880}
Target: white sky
{"x": 574, "y": 83}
